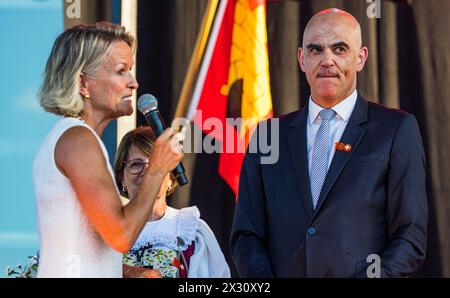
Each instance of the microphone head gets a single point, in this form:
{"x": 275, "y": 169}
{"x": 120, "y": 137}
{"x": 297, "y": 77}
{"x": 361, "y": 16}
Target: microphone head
{"x": 147, "y": 103}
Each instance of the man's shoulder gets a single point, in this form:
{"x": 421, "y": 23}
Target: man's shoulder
{"x": 290, "y": 116}
{"x": 378, "y": 111}
{"x": 288, "y": 119}
{"x": 283, "y": 121}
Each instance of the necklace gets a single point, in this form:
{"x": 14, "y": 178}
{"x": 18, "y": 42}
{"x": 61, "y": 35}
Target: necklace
{"x": 76, "y": 117}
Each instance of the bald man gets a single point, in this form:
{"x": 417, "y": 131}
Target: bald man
{"x": 347, "y": 196}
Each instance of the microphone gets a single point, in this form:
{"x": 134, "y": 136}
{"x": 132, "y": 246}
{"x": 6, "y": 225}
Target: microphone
{"x": 148, "y": 106}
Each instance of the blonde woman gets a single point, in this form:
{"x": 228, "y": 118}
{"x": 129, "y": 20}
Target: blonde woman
{"x": 83, "y": 227}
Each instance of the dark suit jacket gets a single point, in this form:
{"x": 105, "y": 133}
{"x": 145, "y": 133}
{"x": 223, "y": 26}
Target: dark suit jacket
{"x": 373, "y": 201}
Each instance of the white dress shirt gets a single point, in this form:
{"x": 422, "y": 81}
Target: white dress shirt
{"x": 343, "y": 111}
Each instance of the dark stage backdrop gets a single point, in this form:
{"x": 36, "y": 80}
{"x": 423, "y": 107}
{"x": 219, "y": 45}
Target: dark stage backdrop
{"x": 408, "y": 68}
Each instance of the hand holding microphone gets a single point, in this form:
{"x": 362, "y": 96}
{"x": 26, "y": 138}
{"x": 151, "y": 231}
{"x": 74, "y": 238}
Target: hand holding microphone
{"x": 148, "y": 106}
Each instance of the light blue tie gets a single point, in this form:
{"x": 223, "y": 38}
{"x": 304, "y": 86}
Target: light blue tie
{"x": 321, "y": 152}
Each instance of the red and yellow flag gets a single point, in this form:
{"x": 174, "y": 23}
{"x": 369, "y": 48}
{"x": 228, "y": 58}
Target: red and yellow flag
{"x": 233, "y": 81}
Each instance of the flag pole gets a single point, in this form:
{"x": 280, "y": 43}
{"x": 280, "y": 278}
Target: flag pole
{"x": 199, "y": 49}
{"x": 129, "y": 21}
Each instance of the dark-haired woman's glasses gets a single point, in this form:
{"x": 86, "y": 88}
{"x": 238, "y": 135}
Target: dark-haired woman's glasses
{"x": 135, "y": 166}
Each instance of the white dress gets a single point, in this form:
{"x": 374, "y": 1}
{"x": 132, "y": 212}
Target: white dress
{"x": 69, "y": 244}
{"x": 162, "y": 241}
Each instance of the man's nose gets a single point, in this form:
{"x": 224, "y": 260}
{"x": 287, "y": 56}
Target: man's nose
{"x": 327, "y": 58}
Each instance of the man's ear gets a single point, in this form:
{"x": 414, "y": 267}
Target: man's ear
{"x": 362, "y": 58}
{"x": 300, "y": 59}
{"x": 83, "y": 85}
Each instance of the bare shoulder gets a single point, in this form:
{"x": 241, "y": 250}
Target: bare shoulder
{"x": 76, "y": 147}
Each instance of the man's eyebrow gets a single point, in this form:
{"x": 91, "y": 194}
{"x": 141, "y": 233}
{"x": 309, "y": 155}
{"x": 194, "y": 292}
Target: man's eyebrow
{"x": 314, "y": 46}
{"x": 340, "y": 44}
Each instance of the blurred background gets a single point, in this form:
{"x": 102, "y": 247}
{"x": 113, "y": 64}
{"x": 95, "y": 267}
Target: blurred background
{"x": 408, "y": 68}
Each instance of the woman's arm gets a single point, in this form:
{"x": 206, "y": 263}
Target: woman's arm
{"x": 79, "y": 157}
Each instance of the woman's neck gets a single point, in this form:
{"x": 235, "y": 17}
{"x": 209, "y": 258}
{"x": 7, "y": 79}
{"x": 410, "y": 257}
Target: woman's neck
{"x": 97, "y": 120}
{"x": 98, "y": 125}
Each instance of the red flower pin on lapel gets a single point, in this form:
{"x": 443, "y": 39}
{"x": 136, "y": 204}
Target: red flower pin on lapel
{"x": 343, "y": 147}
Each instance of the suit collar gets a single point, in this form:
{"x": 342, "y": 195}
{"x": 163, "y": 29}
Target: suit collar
{"x": 301, "y": 116}
{"x": 358, "y": 116}
{"x": 360, "y": 113}
{"x": 296, "y": 139}
{"x": 352, "y": 135}
{"x": 343, "y": 109}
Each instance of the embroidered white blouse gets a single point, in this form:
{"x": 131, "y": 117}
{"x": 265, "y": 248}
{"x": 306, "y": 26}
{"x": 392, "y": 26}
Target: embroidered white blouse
{"x": 174, "y": 233}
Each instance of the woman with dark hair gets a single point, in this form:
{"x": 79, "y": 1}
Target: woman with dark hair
{"x": 176, "y": 242}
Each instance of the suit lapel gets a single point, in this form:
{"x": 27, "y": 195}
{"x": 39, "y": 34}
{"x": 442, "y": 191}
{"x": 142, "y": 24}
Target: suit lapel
{"x": 352, "y": 135}
{"x": 296, "y": 139}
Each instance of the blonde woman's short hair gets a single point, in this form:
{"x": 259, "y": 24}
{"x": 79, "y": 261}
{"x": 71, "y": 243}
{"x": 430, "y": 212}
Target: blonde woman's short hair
{"x": 79, "y": 49}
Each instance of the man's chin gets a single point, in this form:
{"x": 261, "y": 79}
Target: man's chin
{"x": 327, "y": 94}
